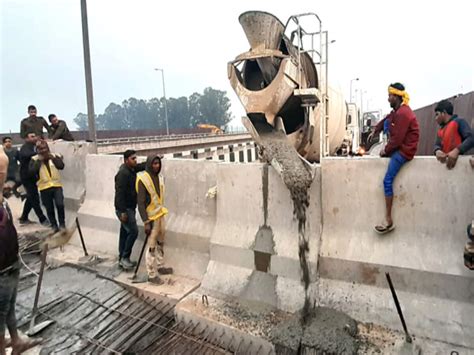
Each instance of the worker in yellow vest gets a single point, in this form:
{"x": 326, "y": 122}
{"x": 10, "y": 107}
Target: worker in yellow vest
{"x": 150, "y": 199}
{"x": 45, "y": 166}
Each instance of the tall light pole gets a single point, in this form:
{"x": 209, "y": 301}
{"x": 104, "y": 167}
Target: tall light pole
{"x": 88, "y": 73}
{"x": 164, "y": 95}
{"x": 356, "y": 79}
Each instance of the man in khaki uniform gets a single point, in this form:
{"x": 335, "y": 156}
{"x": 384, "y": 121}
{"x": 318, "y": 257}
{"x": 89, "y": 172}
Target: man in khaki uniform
{"x": 150, "y": 199}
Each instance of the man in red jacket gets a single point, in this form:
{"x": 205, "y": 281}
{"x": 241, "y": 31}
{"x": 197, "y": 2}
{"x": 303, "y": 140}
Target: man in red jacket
{"x": 454, "y": 135}
{"x": 401, "y": 147}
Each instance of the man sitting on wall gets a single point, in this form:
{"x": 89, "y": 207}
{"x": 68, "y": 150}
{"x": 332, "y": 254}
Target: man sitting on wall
{"x": 403, "y": 137}
{"x": 454, "y": 135}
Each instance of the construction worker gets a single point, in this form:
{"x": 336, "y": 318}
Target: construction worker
{"x": 59, "y": 129}
{"x": 9, "y": 274}
{"x": 469, "y": 248}
{"x": 150, "y": 190}
{"x": 33, "y": 123}
{"x": 28, "y": 181}
{"x": 403, "y": 137}
{"x": 45, "y": 167}
{"x": 454, "y": 135}
{"x": 125, "y": 206}
{"x": 13, "y": 174}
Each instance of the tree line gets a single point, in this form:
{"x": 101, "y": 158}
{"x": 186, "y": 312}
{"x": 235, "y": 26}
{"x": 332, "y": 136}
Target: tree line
{"x": 212, "y": 107}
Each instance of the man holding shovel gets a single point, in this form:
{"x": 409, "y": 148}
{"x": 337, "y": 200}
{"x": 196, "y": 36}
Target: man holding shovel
{"x": 150, "y": 198}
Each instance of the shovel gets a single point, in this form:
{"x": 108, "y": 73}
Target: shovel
{"x": 135, "y": 278}
{"x": 51, "y": 241}
{"x": 407, "y": 347}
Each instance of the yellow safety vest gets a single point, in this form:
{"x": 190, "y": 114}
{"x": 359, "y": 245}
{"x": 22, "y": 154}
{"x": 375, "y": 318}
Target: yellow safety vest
{"x": 155, "y": 209}
{"x": 47, "y": 180}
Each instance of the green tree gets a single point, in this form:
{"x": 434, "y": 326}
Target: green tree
{"x": 156, "y": 113}
{"x": 178, "y": 113}
{"x": 210, "y": 107}
{"x": 81, "y": 121}
{"x": 194, "y": 109}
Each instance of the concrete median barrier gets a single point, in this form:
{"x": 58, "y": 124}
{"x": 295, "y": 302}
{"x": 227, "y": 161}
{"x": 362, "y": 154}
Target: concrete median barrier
{"x": 74, "y": 174}
{"x": 432, "y": 208}
{"x": 192, "y": 216}
{"x": 254, "y": 247}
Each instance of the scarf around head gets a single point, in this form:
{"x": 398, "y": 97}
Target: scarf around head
{"x": 402, "y": 93}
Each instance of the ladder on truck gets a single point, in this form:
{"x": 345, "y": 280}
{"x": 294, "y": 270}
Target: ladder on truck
{"x": 319, "y": 55}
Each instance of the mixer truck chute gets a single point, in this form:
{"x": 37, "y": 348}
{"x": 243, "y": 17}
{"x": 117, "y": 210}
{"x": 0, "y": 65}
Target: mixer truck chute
{"x": 278, "y": 84}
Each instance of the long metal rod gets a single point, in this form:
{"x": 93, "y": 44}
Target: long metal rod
{"x": 399, "y": 309}
{"x": 88, "y": 74}
{"x": 82, "y": 237}
{"x": 140, "y": 257}
{"x": 38, "y": 286}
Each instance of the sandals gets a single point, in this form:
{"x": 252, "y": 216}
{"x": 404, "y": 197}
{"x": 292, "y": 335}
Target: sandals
{"x": 384, "y": 228}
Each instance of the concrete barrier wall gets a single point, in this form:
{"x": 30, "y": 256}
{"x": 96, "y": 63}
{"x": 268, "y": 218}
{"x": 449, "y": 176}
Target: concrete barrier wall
{"x": 254, "y": 247}
{"x": 424, "y": 254}
{"x": 191, "y": 219}
{"x": 99, "y": 224}
{"x": 74, "y": 174}
{"x": 244, "y": 243}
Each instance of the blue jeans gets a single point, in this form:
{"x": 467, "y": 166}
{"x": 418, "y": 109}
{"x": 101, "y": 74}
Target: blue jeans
{"x": 396, "y": 162}
{"x": 8, "y": 290}
{"x": 128, "y": 234}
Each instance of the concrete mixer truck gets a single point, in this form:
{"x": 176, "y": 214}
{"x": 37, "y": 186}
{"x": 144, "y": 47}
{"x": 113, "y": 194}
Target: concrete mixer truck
{"x": 282, "y": 82}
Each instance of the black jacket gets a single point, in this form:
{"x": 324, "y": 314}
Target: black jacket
{"x": 125, "y": 192}
{"x": 27, "y": 150}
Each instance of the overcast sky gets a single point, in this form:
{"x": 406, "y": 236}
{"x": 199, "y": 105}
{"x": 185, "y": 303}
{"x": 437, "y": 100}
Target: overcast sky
{"x": 425, "y": 45}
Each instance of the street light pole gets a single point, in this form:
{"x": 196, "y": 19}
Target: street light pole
{"x": 164, "y": 95}
{"x": 356, "y": 79}
{"x": 88, "y": 73}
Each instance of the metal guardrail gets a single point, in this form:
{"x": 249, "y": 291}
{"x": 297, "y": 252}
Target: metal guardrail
{"x": 111, "y": 141}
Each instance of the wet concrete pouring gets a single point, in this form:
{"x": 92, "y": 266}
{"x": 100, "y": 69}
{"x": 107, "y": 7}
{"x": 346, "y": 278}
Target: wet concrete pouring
{"x": 94, "y": 314}
{"x": 316, "y": 329}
